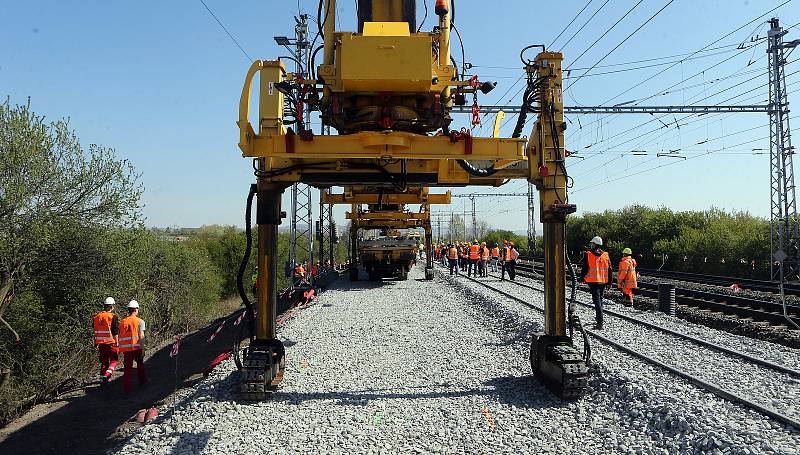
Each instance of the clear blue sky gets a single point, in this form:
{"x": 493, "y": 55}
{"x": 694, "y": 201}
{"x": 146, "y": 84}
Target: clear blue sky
{"x": 160, "y": 83}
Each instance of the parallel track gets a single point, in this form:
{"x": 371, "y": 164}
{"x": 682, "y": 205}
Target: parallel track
{"x": 708, "y": 386}
{"x": 750, "y": 284}
{"x": 745, "y": 308}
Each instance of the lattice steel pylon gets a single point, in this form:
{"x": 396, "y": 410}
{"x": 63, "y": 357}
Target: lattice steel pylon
{"x": 301, "y": 226}
{"x": 784, "y": 238}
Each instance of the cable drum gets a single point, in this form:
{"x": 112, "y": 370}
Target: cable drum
{"x": 666, "y": 299}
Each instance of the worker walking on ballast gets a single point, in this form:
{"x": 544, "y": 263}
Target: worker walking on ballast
{"x": 131, "y": 345}
{"x": 106, "y": 334}
{"x": 596, "y": 273}
{"x": 626, "y": 275}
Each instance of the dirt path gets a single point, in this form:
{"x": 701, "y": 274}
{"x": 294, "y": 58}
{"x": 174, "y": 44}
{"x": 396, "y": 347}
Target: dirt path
{"x": 94, "y": 419}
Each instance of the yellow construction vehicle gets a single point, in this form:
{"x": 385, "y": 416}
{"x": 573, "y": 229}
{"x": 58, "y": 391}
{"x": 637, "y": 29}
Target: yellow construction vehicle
{"x": 389, "y": 91}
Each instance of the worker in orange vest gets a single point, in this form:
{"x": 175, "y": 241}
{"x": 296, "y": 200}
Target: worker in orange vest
{"x": 131, "y": 345}
{"x": 464, "y": 256}
{"x": 626, "y": 275}
{"x": 495, "y": 253}
{"x": 106, "y": 335}
{"x": 452, "y": 258}
{"x": 474, "y": 257}
{"x": 596, "y": 273}
{"x": 510, "y": 255}
{"x": 483, "y": 265}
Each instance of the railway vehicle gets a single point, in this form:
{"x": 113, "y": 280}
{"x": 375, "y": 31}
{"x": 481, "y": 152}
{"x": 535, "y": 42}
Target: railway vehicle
{"x": 388, "y": 256}
{"x": 389, "y": 89}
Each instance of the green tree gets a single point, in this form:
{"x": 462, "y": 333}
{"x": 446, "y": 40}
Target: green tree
{"x": 47, "y": 178}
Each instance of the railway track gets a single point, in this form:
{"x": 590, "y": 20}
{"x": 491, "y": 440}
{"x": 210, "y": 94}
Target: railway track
{"x": 765, "y": 390}
{"x": 747, "y": 284}
{"x": 744, "y": 308}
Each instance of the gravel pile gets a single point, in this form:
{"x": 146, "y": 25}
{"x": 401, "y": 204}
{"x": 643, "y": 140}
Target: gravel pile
{"x": 436, "y": 367}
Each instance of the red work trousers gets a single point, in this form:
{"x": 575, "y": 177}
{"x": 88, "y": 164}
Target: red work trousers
{"x": 108, "y": 359}
{"x": 127, "y": 377}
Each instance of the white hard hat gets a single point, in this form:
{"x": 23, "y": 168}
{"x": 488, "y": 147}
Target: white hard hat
{"x": 110, "y": 301}
{"x": 133, "y": 304}
{"x": 597, "y": 241}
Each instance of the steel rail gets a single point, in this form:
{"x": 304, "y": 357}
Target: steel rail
{"x": 703, "y": 384}
{"x": 732, "y": 352}
{"x": 743, "y": 307}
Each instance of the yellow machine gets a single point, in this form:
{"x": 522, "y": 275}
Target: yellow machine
{"x": 389, "y": 90}
{"x": 384, "y": 210}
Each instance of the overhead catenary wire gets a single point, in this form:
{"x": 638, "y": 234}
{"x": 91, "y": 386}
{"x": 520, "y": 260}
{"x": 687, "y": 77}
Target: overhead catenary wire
{"x": 570, "y": 23}
{"x": 621, "y": 42}
{"x": 608, "y": 30}
{"x": 583, "y": 26}
{"x": 250, "y": 59}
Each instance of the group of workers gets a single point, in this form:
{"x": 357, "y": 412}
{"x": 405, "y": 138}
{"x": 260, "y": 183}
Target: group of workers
{"x": 478, "y": 258}
{"x": 113, "y": 336}
{"x": 596, "y": 272}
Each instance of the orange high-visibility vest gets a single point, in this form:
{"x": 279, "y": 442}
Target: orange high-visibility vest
{"x": 452, "y": 253}
{"x": 474, "y": 251}
{"x": 507, "y": 254}
{"x": 299, "y": 270}
{"x": 102, "y": 328}
{"x": 129, "y": 334}
{"x": 496, "y": 252}
{"x": 484, "y": 253}
{"x": 626, "y": 275}
{"x": 598, "y": 268}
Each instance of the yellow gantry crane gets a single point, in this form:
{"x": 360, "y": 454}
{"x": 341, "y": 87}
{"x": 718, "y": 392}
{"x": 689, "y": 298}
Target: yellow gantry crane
{"x": 388, "y": 91}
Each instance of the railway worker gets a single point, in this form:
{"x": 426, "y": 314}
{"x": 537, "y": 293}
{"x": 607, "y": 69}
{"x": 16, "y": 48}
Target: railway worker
{"x": 510, "y": 256}
{"x": 626, "y": 275}
{"x": 495, "y": 253}
{"x": 299, "y": 271}
{"x": 464, "y": 256}
{"x": 596, "y": 273}
{"x": 131, "y": 345}
{"x": 106, "y": 336}
{"x": 483, "y": 267}
{"x": 474, "y": 258}
{"x": 452, "y": 258}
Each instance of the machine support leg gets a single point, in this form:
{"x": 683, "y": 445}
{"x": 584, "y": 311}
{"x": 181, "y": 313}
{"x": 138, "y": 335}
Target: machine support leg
{"x": 264, "y": 360}
{"x": 554, "y": 358}
{"x": 428, "y": 253}
{"x": 353, "y": 254}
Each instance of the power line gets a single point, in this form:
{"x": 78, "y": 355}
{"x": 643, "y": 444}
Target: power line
{"x": 584, "y": 25}
{"x": 570, "y": 22}
{"x": 621, "y": 42}
{"x": 700, "y": 50}
{"x": 226, "y": 31}
{"x": 605, "y": 33}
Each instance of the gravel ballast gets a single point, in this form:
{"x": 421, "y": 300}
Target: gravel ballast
{"x": 441, "y": 367}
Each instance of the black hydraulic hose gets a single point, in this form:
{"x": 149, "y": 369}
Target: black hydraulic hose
{"x": 573, "y": 317}
{"x": 472, "y": 170}
{"x": 242, "y": 267}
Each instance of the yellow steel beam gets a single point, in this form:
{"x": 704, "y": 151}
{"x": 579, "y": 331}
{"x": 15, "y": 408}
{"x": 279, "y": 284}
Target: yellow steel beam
{"x": 393, "y": 198}
{"x": 400, "y": 216}
{"x": 378, "y": 144}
